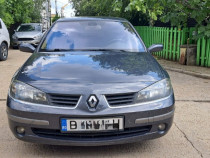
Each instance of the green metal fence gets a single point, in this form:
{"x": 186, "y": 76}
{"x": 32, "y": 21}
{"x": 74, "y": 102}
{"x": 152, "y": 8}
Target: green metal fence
{"x": 203, "y": 52}
{"x": 172, "y": 38}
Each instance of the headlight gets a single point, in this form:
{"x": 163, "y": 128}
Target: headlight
{"x": 156, "y": 91}
{"x": 24, "y": 92}
{"x": 14, "y": 36}
{"x": 37, "y": 37}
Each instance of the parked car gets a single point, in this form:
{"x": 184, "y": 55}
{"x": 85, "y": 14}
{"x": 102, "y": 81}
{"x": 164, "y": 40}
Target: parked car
{"x": 27, "y": 33}
{"x": 90, "y": 82}
{"x": 4, "y": 41}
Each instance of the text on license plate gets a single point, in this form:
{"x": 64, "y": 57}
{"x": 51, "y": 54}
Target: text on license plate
{"x": 105, "y": 124}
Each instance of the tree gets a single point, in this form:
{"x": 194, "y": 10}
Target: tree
{"x": 15, "y": 12}
{"x": 150, "y": 8}
{"x": 179, "y": 11}
{"x": 1, "y": 7}
{"x": 94, "y": 8}
{"x": 108, "y": 8}
{"x": 175, "y": 11}
{"x": 55, "y": 18}
{"x": 36, "y": 12}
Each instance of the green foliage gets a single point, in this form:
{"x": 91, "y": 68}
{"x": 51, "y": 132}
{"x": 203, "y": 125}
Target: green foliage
{"x": 1, "y": 7}
{"x": 55, "y": 18}
{"x": 150, "y": 8}
{"x": 36, "y": 12}
{"x": 179, "y": 11}
{"x": 175, "y": 11}
{"x": 101, "y": 8}
{"x": 14, "y": 12}
{"x": 114, "y": 8}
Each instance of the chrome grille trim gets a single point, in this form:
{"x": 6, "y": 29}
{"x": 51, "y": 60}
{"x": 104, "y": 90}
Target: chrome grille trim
{"x": 64, "y": 100}
{"x": 115, "y": 100}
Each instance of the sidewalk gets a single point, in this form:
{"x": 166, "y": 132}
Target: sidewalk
{"x": 197, "y": 71}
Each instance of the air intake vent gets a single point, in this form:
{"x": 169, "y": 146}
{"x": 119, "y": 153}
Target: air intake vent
{"x": 56, "y": 134}
{"x": 64, "y": 100}
{"x": 25, "y": 39}
{"x": 120, "y": 99}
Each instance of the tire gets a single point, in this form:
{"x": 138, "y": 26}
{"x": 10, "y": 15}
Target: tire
{"x": 3, "y": 52}
{"x": 15, "y": 47}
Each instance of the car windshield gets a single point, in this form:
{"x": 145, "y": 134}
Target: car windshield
{"x": 92, "y": 35}
{"x": 27, "y": 28}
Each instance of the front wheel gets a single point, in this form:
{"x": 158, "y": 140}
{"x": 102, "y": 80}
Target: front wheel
{"x": 3, "y": 52}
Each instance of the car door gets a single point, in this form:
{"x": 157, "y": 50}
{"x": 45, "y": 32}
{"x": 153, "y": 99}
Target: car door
{"x": 4, "y": 34}
{"x": 1, "y": 32}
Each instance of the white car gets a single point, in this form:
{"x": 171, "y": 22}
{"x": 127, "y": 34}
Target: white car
{"x": 4, "y": 41}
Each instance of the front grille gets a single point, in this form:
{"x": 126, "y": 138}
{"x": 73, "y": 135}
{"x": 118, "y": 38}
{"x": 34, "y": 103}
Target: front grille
{"x": 25, "y": 39}
{"x": 64, "y": 100}
{"x": 120, "y": 99}
{"x": 56, "y": 134}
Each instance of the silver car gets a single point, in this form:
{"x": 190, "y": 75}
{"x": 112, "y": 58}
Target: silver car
{"x": 27, "y": 33}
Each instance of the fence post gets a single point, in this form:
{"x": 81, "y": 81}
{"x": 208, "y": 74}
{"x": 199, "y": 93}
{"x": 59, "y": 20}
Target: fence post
{"x": 171, "y": 35}
{"x": 162, "y": 41}
{"x": 208, "y": 52}
{"x": 174, "y": 46}
{"x": 198, "y": 52}
{"x": 203, "y": 51}
{"x": 158, "y": 38}
{"x": 178, "y": 44}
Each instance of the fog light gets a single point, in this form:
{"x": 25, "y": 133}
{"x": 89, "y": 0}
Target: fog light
{"x": 20, "y": 130}
{"x": 161, "y": 127}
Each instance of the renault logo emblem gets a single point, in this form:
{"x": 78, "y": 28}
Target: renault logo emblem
{"x": 92, "y": 101}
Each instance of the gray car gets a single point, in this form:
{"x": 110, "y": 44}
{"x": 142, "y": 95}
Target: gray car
{"x": 27, "y": 33}
{"x": 90, "y": 82}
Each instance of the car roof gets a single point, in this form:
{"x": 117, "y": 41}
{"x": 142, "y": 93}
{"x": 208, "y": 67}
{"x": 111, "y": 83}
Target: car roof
{"x": 91, "y": 19}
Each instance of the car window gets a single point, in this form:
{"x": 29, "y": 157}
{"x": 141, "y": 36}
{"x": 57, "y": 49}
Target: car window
{"x": 92, "y": 35}
{"x": 0, "y": 25}
{"x": 24, "y": 28}
{"x": 38, "y": 28}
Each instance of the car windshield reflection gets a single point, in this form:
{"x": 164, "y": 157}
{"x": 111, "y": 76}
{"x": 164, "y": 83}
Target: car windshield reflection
{"x": 92, "y": 35}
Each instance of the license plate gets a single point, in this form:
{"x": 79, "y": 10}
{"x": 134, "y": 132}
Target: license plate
{"x": 89, "y": 125}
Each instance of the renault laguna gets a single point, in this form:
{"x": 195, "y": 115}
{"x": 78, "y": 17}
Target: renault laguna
{"x": 91, "y": 81}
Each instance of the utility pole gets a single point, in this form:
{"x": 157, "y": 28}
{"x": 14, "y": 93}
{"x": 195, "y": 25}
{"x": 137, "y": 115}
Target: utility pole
{"x": 56, "y": 7}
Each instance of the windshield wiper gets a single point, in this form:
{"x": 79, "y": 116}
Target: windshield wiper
{"x": 56, "y": 50}
{"x": 60, "y": 50}
{"x": 105, "y": 50}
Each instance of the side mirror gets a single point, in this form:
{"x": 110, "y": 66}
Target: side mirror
{"x": 15, "y": 30}
{"x": 26, "y": 47}
{"x": 155, "y": 48}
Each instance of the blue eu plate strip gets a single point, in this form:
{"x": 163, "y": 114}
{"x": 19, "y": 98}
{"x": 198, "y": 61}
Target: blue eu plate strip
{"x": 63, "y": 125}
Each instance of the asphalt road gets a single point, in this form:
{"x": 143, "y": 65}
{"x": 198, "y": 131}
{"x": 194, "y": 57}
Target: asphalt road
{"x": 189, "y": 136}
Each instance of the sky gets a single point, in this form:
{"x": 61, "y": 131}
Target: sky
{"x": 68, "y": 11}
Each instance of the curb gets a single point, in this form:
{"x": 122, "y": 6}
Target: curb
{"x": 204, "y": 76}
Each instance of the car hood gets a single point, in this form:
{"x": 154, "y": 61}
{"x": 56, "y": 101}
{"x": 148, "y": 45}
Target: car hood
{"x": 30, "y": 34}
{"x": 77, "y": 70}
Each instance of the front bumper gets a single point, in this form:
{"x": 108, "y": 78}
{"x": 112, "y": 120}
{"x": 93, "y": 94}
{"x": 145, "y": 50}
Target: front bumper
{"x": 16, "y": 42}
{"x": 42, "y": 125}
